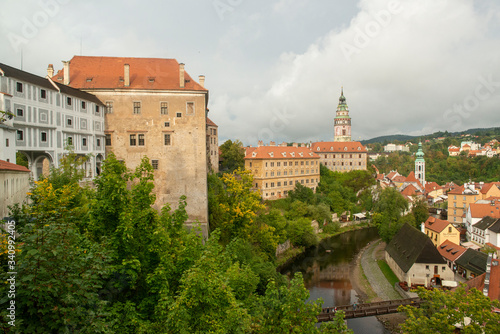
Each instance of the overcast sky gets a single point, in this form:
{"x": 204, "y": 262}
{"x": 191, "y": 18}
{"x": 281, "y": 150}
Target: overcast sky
{"x": 274, "y": 68}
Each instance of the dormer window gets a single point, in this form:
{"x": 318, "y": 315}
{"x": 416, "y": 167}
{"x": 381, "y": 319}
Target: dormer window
{"x": 271, "y": 154}
{"x": 283, "y": 154}
{"x": 345, "y": 148}
{"x": 301, "y": 154}
{"x": 254, "y": 154}
{"x": 292, "y": 154}
{"x": 151, "y": 79}
{"x": 89, "y": 79}
{"x": 317, "y": 149}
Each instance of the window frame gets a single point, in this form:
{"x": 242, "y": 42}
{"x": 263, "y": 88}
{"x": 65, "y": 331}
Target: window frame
{"x": 137, "y": 105}
{"x": 133, "y": 139}
{"x": 163, "y": 108}
{"x": 43, "y": 137}
{"x": 167, "y": 139}
{"x": 141, "y": 139}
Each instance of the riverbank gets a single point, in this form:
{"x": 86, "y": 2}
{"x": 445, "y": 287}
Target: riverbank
{"x": 292, "y": 253}
{"x": 371, "y": 285}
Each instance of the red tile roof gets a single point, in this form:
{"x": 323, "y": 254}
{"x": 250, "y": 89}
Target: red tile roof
{"x": 380, "y": 176}
{"x": 280, "y": 152}
{"x": 487, "y": 186}
{"x": 482, "y": 210}
{"x": 392, "y": 174}
{"x": 431, "y": 186}
{"x": 436, "y": 224}
{"x": 210, "y": 122}
{"x": 411, "y": 178}
{"x": 4, "y": 165}
{"x": 399, "y": 178}
{"x": 410, "y": 190}
{"x": 450, "y": 250}
{"x": 338, "y": 147}
{"x": 107, "y": 73}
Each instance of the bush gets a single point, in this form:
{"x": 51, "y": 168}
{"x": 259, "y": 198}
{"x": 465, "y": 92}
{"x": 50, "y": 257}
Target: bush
{"x": 301, "y": 233}
{"x": 331, "y": 228}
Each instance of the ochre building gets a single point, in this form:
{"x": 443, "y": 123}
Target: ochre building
{"x": 341, "y": 156}
{"x": 276, "y": 169}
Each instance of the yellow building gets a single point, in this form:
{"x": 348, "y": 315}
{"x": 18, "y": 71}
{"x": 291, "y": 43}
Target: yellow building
{"x": 441, "y": 230}
{"x": 341, "y": 156}
{"x": 154, "y": 109}
{"x": 460, "y": 198}
{"x": 276, "y": 169}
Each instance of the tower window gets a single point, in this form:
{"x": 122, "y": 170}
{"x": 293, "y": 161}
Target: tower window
{"x": 19, "y": 87}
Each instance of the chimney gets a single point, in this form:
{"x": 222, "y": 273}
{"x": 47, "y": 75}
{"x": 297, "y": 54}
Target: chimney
{"x": 201, "y": 79}
{"x": 272, "y": 143}
{"x": 422, "y": 227}
{"x": 181, "y": 75}
{"x": 66, "y": 72}
{"x": 50, "y": 71}
{"x": 260, "y": 143}
{"x": 295, "y": 145}
{"x": 126, "y": 75}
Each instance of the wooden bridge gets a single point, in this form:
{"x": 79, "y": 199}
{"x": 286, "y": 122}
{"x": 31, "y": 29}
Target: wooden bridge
{"x": 367, "y": 309}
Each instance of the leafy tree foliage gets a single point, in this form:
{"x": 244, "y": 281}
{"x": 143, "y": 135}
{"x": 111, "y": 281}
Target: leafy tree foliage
{"x": 233, "y": 156}
{"x": 443, "y": 310}
{"x": 388, "y": 213}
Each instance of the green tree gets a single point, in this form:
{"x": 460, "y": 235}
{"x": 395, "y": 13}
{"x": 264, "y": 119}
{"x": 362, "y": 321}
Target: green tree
{"x": 388, "y": 212}
{"x": 420, "y": 211}
{"x": 232, "y": 156}
{"x": 442, "y": 310}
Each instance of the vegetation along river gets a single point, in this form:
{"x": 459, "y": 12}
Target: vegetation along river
{"x": 327, "y": 274}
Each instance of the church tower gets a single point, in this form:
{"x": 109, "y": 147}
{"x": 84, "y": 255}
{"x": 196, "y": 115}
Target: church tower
{"x": 342, "y": 123}
{"x": 420, "y": 165}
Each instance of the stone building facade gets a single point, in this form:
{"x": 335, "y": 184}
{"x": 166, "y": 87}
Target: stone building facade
{"x": 212, "y": 146}
{"x": 341, "y": 156}
{"x": 154, "y": 109}
{"x": 47, "y": 117}
{"x": 276, "y": 169}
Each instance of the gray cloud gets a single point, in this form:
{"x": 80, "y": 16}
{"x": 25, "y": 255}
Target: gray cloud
{"x": 274, "y": 69}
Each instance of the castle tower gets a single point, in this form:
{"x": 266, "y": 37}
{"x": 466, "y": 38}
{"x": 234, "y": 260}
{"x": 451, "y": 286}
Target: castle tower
{"x": 342, "y": 122}
{"x": 420, "y": 165}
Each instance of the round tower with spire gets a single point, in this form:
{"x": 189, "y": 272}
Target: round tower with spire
{"x": 420, "y": 165}
{"x": 342, "y": 122}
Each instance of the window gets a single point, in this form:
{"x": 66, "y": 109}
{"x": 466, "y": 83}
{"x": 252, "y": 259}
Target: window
{"x": 68, "y": 101}
{"x": 20, "y": 112}
{"x": 141, "y": 140}
{"x": 6, "y": 142}
{"x": 43, "y": 117}
{"x": 69, "y": 122}
{"x": 154, "y": 163}
{"x": 167, "y": 139}
{"x": 84, "y": 105}
{"x": 20, "y": 135}
{"x": 179, "y": 114}
{"x": 109, "y": 107}
{"x": 189, "y": 108}
{"x": 84, "y": 141}
{"x": 427, "y": 267}
{"x": 43, "y": 137}
{"x": 43, "y": 94}
{"x": 70, "y": 140}
{"x": 137, "y": 107}
{"x": 98, "y": 142}
{"x": 164, "y": 108}
{"x": 97, "y": 110}
{"x": 19, "y": 87}
{"x": 167, "y": 124}
{"x": 133, "y": 140}
{"x": 449, "y": 229}
{"x": 108, "y": 139}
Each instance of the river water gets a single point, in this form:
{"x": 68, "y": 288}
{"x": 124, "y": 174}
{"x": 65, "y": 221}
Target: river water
{"x": 326, "y": 270}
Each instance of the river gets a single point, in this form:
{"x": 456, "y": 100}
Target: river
{"x": 327, "y": 269}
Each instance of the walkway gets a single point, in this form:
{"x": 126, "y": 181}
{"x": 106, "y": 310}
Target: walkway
{"x": 374, "y": 275}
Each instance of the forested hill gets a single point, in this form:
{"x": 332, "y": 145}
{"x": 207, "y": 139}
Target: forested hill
{"x": 404, "y": 138}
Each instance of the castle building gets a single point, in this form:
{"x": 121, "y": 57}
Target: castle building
{"x": 420, "y": 165}
{"x": 46, "y": 118}
{"x": 341, "y": 157}
{"x": 342, "y": 122}
{"x": 154, "y": 109}
{"x": 276, "y": 169}
{"x": 212, "y": 146}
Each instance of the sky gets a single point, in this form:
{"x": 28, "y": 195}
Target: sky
{"x": 274, "y": 69}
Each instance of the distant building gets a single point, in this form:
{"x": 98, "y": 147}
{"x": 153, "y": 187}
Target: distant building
{"x": 276, "y": 169}
{"x": 420, "y": 165}
{"x": 461, "y": 197}
{"x": 14, "y": 185}
{"x": 472, "y": 263}
{"x": 49, "y": 117}
{"x": 212, "y": 146}
{"x": 396, "y": 148}
{"x": 342, "y": 156}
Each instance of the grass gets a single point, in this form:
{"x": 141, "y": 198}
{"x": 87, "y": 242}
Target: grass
{"x": 388, "y": 273}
